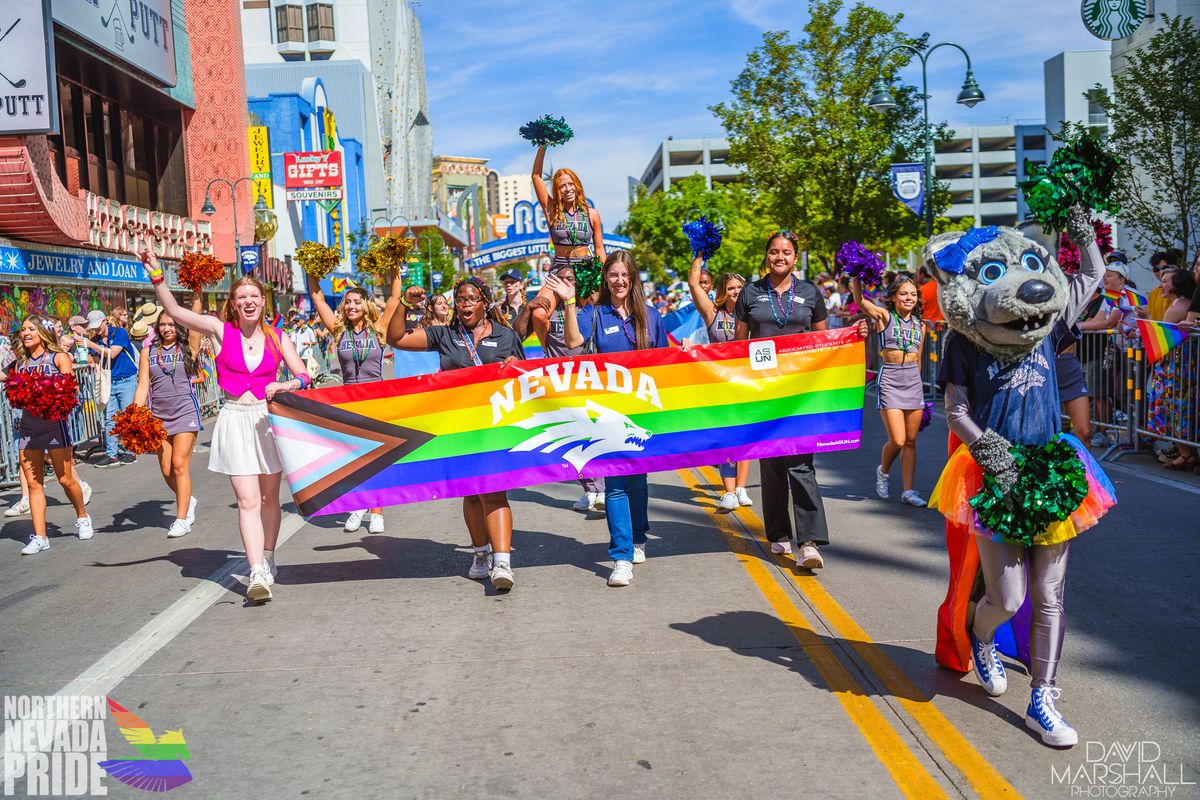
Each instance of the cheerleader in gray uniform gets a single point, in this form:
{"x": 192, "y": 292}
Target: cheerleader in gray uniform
{"x": 166, "y": 374}
{"x": 901, "y": 333}
{"x": 38, "y": 351}
{"x": 357, "y": 329}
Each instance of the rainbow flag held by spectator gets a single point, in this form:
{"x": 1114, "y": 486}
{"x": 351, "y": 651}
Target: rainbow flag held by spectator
{"x": 340, "y": 285}
{"x": 1160, "y": 338}
{"x": 1126, "y": 299}
{"x": 686, "y": 323}
{"x": 533, "y": 348}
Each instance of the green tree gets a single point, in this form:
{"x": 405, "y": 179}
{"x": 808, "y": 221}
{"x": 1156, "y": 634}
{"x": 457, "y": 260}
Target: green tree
{"x": 798, "y": 123}
{"x": 655, "y": 223}
{"x": 1154, "y": 126}
{"x": 432, "y": 254}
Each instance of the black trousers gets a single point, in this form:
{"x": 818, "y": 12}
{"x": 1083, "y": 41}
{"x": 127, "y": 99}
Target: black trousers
{"x": 794, "y": 474}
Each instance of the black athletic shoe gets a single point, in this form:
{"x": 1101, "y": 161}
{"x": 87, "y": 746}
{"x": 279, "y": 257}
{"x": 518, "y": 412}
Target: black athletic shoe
{"x": 108, "y": 461}
{"x": 127, "y": 458}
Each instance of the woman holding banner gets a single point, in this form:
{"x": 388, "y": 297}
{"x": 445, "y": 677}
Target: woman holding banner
{"x": 619, "y": 322}
{"x": 357, "y": 328}
{"x": 478, "y": 334}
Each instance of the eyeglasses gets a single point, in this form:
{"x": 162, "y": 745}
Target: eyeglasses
{"x": 467, "y": 301}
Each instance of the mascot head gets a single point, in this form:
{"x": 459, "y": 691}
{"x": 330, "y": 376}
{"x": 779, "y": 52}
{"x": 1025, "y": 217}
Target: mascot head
{"x": 998, "y": 287}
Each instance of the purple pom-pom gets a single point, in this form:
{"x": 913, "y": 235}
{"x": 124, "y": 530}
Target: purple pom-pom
{"x": 926, "y": 416}
{"x": 703, "y": 236}
{"x": 858, "y": 262}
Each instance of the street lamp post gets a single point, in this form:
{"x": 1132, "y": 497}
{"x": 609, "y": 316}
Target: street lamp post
{"x": 209, "y": 209}
{"x": 391, "y": 221}
{"x": 881, "y": 99}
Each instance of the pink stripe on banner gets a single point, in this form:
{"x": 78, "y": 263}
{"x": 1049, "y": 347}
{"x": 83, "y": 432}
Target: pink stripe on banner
{"x": 502, "y": 481}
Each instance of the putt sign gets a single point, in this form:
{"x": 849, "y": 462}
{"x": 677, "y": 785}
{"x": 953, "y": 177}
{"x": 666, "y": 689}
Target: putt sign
{"x": 28, "y": 97}
{"x": 313, "y": 176}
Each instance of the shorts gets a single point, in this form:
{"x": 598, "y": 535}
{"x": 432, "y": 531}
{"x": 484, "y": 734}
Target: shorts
{"x": 242, "y": 442}
{"x": 1071, "y": 382}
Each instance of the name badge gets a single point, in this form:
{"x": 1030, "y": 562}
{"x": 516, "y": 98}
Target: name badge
{"x": 611, "y": 330}
{"x": 486, "y": 343}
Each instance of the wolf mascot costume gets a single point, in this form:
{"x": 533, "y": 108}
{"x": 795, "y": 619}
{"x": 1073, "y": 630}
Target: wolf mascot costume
{"x": 1011, "y": 309}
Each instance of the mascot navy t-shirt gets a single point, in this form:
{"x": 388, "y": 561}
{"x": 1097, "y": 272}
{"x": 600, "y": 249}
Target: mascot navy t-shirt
{"x": 1016, "y": 399}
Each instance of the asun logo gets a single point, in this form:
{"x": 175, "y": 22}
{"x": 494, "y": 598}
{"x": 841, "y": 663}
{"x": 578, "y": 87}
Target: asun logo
{"x": 588, "y": 431}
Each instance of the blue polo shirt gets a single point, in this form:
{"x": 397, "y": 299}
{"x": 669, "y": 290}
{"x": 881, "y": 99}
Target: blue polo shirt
{"x": 126, "y": 362}
{"x": 616, "y": 334}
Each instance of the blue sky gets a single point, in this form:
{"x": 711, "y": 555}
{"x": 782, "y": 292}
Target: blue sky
{"x": 639, "y": 71}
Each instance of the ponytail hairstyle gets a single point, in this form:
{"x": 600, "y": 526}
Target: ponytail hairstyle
{"x": 889, "y": 297}
{"x": 637, "y": 296}
{"x": 229, "y": 313}
{"x": 783, "y": 233}
{"x": 493, "y": 313}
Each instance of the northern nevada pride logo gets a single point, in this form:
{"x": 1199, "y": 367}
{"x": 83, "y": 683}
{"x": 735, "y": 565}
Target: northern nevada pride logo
{"x": 583, "y": 431}
{"x": 56, "y": 746}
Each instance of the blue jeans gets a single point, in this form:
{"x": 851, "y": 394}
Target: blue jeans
{"x": 121, "y": 397}
{"x": 625, "y": 499}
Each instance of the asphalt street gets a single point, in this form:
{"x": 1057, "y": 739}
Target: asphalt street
{"x": 380, "y": 670}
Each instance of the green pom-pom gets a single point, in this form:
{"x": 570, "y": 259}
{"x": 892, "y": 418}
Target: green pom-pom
{"x": 1080, "y": 173}
{"x": 547, "y": 131}
{"x": 587, "y": 276}
{"x": 1052, "y": 485}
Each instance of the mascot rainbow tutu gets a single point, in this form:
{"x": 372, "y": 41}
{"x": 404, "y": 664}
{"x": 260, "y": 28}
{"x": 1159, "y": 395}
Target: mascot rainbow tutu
{"x": 1016, "y": 490}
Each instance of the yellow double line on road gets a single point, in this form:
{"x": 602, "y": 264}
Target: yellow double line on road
{"x": 910, "y": 775}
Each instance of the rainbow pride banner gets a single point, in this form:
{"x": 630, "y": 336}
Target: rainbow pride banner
{"x": 491, "y": 428}
{"x": 1126, "y": 298}
{"x": 1160, "y": 338}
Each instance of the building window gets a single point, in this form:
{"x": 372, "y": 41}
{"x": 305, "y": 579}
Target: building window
{"x": 289, "y": 23}
{"x": 320, "y": 22}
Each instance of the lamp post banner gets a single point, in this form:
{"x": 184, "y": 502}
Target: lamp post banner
{"x": 908, "y": 185}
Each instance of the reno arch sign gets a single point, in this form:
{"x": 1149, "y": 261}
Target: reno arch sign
{"x": 122, "y": 229}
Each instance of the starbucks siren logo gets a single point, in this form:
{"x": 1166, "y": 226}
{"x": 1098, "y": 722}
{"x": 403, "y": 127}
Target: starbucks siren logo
{"x": 1113, "y": 19}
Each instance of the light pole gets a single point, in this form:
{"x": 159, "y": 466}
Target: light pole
{"x": 208, "y": 209}
{"x": 881, "y": 99}
{"x": 391, "y": 221}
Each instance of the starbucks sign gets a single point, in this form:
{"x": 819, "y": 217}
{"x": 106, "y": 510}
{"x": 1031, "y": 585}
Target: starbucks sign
{"x": 1113, "y": 19}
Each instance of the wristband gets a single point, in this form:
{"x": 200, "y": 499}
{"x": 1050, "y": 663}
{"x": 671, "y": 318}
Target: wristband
{"x": 156, "y": 276}
{"x": 304, "y": 379}
{"x": 569, "y": 301}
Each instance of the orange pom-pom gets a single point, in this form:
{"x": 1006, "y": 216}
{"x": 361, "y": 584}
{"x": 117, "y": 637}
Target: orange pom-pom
{"x": 197, "y": 270}
{"x": 138, "y": 430}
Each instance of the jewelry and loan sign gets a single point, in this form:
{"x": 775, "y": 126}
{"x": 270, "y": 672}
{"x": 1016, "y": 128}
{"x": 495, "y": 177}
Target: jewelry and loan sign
{"x": 121, "y": 229}
{"x": 313, "y": 176}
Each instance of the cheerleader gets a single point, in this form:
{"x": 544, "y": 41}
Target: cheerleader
{"x": 722, "y": 327}
{"x": 166, "y": 381}
{"x": 573, "y": 223}
{"x": 242, "y": 446}
{"x": 37, "y": 351}
{"x": 358, "y": 329}
{"x": 901, "y": 402}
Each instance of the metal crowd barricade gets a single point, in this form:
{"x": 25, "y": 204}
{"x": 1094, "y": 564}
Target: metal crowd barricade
{"x": 86, "y": 422}
{"x": 9, "y": 464}
{"x": 931, "y": 356}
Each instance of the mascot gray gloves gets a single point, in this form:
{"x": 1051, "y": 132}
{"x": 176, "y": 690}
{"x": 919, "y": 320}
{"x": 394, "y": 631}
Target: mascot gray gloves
{"x": 1079, "y": 227}
{"x": 991, "y": 453}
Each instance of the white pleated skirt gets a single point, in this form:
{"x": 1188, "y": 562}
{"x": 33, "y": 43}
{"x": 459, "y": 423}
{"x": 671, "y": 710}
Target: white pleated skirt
{"x": 242, "y": 443}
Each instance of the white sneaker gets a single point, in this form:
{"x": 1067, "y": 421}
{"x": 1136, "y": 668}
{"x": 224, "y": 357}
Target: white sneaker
{"x": 502, "y": 576}
{"x": 83, "y": 527}
{"x": 259, "y": 589}
{"x": 639, "y": 554}
{"x": 376, "y": 524}
{"x": 36, "y": 545}
{"x": 622, "y": 573}
{"x": 743, "y": 497}
{"x": 728, "y": 502}
{"x": 191, "y": 514}
{"x": 584, "y": 503}
{"x": 480, "y": 566}
{"x": 783, "y": 548}
{"x": 18, "y": 508}
{"x": 810, "y": 556}
{"x": 354, "y": 521}
{"x": 1047, "y": 721}
{"x": 911, "y": 498}
{"x": 87, "y": 491}
{"x": 272, "y": 570}
{"x": 179, "y": 527}
{"x": 597, "y": 500}
{"x": 881, "y": 484}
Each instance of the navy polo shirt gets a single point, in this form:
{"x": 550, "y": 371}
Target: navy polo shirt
{"x": 615, "y": 334}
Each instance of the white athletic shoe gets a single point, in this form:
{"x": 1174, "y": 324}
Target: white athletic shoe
{"x": 191, "y": 514}
{"x": 639, "y": 554}
{"x": 18, "y": 508}
{"x": 36, "y": 545}
{"x": 87, "y": 491}
{"x": 259, "y": 589}
{"x": 881, "y": 484}
{"x": 743, "y": 497}
{"x": 584, "y": 503}
{"x": 810, "y": 556}
{"x": 622, "y": 573}
{"x": 502, "y": 577}
{"x": 83, "y": 527}
{"x": 911, "y": 498}
{"x": 272, "y": 570}
{"x": 1047, "y": 721}
{"x": 783, "y": 548}
{"x": 728, "y": 502}
{"x": 179, "y": 527}
{"x": 354, "y": 521}
{"x": 376, "y": 524}
{"x": 481, "y": 566}
{"x": 597, "y": 500}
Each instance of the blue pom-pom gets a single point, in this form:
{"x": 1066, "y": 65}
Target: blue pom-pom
{"x": 857, "y": 261}
{"x": 703, "y": 236}
{"x": 547, "y": 131}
